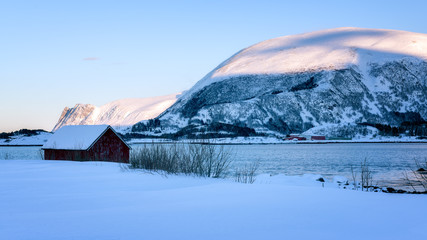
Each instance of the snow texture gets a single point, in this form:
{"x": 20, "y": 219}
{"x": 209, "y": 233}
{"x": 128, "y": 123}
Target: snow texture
{"x": 21, "y": 140}
{"x": 51, "y": 200}
{"x": 79, "y": 137}
{"x": 321, "y": 50}
{"x": 119, "y": 114}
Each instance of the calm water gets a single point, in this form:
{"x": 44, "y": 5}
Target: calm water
{"x": 32, "y": 153}
{"x": 388, "y": 161}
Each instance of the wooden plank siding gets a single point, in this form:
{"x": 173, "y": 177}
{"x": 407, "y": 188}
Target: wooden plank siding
{"x": 109, "y": 147}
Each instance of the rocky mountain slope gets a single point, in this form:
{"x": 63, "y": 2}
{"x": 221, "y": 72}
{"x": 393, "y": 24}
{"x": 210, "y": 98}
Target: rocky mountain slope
{"x": 337, "y": 82}
{"x": 119, "y": 114}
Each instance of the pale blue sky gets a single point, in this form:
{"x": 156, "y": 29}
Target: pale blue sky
{"x": 58, "y": 53}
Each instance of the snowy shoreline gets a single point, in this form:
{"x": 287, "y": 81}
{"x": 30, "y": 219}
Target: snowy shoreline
{"x": 39, "y": 140}
{"x": 213, "y": 141}
{"x": 254, "y": 141}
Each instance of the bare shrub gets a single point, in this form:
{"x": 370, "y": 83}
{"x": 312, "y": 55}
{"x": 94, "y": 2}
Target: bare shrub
{"x": 365, "y": 175}
{"x": 201, "y": 159}
{"x": 6, "y": 156}
{"x": 366, "y": 179}
{"x": 246, "y": 174}
{"x": 417, "y": 178}
{"x": 354, "y": 177}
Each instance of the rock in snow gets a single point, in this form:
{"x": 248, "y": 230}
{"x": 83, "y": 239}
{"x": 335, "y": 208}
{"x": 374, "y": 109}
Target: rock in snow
{"x": 326, "y": 81}
{"x": 124, "y": 112}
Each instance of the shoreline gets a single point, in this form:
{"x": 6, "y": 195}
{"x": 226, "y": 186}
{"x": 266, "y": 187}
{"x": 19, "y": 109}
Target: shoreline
{"x": 275, "y": 142}
{"x": 242, "y": 143}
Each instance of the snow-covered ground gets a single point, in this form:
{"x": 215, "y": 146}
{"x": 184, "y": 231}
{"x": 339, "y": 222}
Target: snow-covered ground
{"x": 93, "y": 200}
{"x": 38, "y": 139}
{"x": 273, "y": 140}
{"x": 236, "y": 140}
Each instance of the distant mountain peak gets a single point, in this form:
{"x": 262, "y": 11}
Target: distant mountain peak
{"x": 119, "y": 113}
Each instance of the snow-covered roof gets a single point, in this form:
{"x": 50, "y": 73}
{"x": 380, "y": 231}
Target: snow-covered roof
{"x": 76, "y": 137}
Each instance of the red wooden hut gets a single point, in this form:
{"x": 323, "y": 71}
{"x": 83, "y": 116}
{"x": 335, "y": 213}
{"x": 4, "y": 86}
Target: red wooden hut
{"x": 295, "y": 138}
{"x": 86, "y": 143}
{"x": 318, "y": 138}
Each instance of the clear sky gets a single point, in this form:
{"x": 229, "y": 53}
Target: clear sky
{"x": 58, "y": 53}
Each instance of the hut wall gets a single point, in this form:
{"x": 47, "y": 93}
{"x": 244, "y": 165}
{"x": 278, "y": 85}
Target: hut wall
{"x": 76, "y": 155}
{"x": 110, "y": 148}
{"x": 318, "y": 138}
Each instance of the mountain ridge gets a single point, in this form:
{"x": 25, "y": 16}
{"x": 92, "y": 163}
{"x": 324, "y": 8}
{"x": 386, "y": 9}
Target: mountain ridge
{"x": 342, "y": 77}
{"x": 119, "y": 114}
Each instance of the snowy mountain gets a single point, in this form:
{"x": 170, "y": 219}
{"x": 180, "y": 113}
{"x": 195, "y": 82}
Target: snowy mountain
{"x": 337, "y": 82}
{"x": 120, "y": 113}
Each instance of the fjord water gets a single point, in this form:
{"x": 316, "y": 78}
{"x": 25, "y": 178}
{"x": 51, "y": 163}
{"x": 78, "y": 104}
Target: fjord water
{"x": 388, "y": 161}
{"x": 23, "y": 153}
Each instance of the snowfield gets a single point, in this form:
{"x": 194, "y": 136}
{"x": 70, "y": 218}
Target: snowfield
{"x": 97, "y": 200}
{"x": 21, "y": 140}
